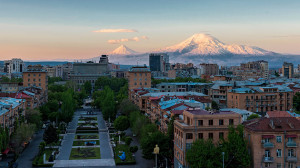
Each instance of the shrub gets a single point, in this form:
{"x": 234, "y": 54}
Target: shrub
{"x": 128, "y": 140}
{"x": 134, "y": 149}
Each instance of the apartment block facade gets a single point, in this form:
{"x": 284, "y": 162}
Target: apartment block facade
{"x": 261, "y": 99}
{"x": 200, "y": 124}
{"x": 274, "y": 142}
{"x": 139, "y": 77}
{"x": 35, "y": 76}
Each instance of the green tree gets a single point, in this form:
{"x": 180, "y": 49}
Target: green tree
{"x": 235, "y": 148}
{"x": 277, "y": 74}
{"x": 108, "y": 104}
{"x": 252, "y": 116}
{"x": 68, "y": 107}
{"x": 148, "y": 142}
{"x": 203, "y": 154}
{"x": 214, "y": 105}
{"x": 121, "y": 123}
{"x": 50, "y": 135}
{"x": 126, "y": 107}
{"x": 296, "y": 103}
{"x": 21, "y": 135}
{"x": 88, "y": 87}
{"x": 33, "y": 116}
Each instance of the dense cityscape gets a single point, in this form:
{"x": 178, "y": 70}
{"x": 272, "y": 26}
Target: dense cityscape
{"x": 149, "y": 84}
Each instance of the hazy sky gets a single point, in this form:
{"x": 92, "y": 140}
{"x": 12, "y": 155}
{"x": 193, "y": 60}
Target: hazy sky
{"x": 73, "y": 29}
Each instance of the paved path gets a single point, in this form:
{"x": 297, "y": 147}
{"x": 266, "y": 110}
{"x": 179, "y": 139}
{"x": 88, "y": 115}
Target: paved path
{"x": 105, "y": 148}
{"x": 140, "y": 161}
{"x": 85, "y": 163}
{"x": 27, "y": 156}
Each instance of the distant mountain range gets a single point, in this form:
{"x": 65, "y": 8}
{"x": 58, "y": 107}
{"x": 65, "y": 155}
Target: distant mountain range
{"x": 201, "y": 48}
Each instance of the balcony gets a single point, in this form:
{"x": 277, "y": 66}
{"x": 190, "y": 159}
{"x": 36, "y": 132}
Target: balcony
{"x": 268, "y": 145}
{"x": 268, "y": 159}
{"x": 291, "y": 144}
{"x": 291, "y": 159}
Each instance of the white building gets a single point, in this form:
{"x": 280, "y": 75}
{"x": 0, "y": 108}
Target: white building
{"x": 14, "y": 66}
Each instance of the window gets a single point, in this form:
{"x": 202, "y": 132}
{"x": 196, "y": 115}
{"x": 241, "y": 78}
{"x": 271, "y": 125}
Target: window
{"x": 210, "y": 122}
{"x": 267, "y": 164}
{"x": 189, "y": 136}
{"x": 278, "y": 152}
{"x": 230, "y": 121}
{"x": 140, "y": 83}
{"x": 278, "y": 139}
{"x": 200, "y": 135}
{"x": 28, "y": 80}
{"x": 33, "y": 74}
{"x": 145, "y": 83}
{"x": 221, "y": 122}
{"x": 39, "y": 84}
{"x": 200, "y": 122}
{"x": 34, "y": 80}
{"x": 279, "y": 165}
{"x": 221, "y": 135}
{"x": 211, "y": 135}
{"x": 188, "y": 146}
{"x": 39, "y": 74}
{"x": 40, "y": 80}
{"x": 135, "y": 83}
{"x": 291, "y": 153}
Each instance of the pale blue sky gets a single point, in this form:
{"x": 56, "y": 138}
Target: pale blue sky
{"x": 35, "y": 29}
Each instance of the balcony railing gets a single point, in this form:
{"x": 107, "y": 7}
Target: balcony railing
{"x": 291, "y": 159}
{"x": 291, "y": 144}
{"x": 268, "y": 159}
{"x": 268, "y": 145}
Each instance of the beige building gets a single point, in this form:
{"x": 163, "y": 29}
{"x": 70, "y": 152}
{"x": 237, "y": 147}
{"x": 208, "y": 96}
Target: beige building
{"x": 139, "y": 77}
{"x": 209, "y": 69}
{"x": 252, "y": 70}
{"x": 261, "y": 99}
{"x": 200, "y": 124}
{"x": 35, "y": 76}
{"x": 273, "y": 142}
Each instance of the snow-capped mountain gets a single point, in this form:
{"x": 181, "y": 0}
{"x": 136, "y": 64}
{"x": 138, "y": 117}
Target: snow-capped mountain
{"x": 122, "y": 50}
{"x": 204, "y": 44}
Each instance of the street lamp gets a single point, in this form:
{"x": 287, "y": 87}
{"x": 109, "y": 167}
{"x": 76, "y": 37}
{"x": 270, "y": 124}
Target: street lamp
{"x": 223, "y": 153}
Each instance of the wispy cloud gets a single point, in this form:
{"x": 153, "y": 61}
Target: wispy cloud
{"x": 115, "y": 31}
{"x": 118, "y": 41}
{"x": 286, "y": 36}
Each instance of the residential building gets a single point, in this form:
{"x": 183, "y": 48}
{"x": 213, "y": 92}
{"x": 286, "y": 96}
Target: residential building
{"x": 10, "y": 111}
{"x": 252, "y": 70}
{"x": 159, "y": 63}
{"x": 273, "y": 142}
{"x": 35, "y": 75}
{"x": 261, "y": 99}
{"x": 14, "y": 65}
{"x": 200, "y": 124}
{"x": 183, "y": 71}
{"x": 10, "y": 86}
{"x": 184, "y": 87}
{"x": 51, "y": 71}
{"x": 287, "y": 70}
{"x": 209, "y": 69}
{"x": 139, "y": 77}
{"x": 244, "y": 113}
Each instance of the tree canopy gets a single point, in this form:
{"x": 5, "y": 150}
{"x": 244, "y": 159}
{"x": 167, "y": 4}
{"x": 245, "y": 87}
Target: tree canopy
{"x": 121, "y": 123}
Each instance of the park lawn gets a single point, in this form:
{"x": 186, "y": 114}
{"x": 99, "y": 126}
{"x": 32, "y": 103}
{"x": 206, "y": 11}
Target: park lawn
{"x": 81, "y": 143}
{"x": 88, "y": 118}
{"x": 85, "y": 153}
{"x": 88, "y": 136}
{"x": 129, "y": 158}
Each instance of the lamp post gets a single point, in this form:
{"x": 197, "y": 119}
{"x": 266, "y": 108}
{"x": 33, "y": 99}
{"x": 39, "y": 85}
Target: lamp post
{"x": 223, "y": 153}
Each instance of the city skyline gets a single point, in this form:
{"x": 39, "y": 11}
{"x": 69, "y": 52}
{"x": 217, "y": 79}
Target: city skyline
{"x": 48, "y": 30}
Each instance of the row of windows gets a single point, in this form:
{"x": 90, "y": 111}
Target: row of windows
{"x": 200, "y": 135}
{"x": 135, "y": 74}
{"x": 34, "y": 84}
{"x": 140, "y": 79}
{"x": 33, "y": 80}
{"x": 140, "y": 83}
{"x": 211, "y": 122}
{"x": 34, "y": 74}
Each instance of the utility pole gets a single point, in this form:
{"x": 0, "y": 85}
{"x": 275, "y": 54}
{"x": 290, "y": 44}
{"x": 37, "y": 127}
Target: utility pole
{"x": 223, "y": 153}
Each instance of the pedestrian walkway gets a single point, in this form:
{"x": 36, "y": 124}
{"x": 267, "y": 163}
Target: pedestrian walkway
{"x": 105, "y": 148}
{"x": 85, "y": 163}
{"x": 27, "y": 156}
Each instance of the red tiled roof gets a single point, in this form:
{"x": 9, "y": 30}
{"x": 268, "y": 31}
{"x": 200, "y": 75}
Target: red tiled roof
{"x": 280, "y": 124}
{"x": 22, "y": 95}
{"x": 278, "y": 114}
